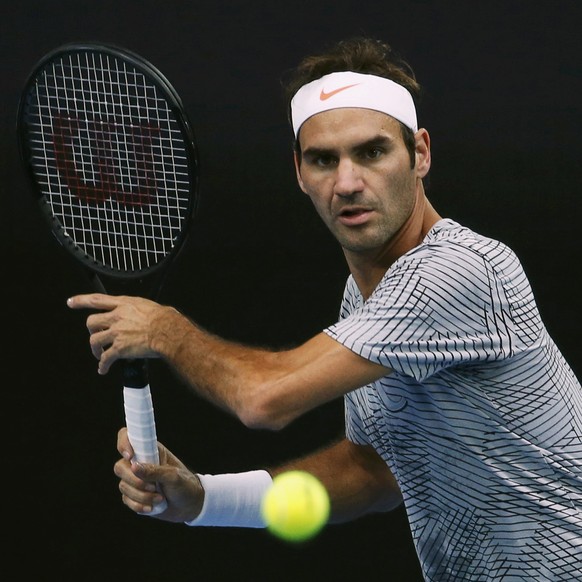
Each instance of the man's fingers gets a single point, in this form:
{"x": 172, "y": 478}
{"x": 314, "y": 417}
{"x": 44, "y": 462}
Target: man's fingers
{"x": 138, "y": 499}
{"x": 93, "y": 301}
{"x": 133, "y": 486}
{"x": 123, "y": 445}
{"x": 98, "y": 341}
{"x": 98, "y": 321}
{"x": 107, "y": 359}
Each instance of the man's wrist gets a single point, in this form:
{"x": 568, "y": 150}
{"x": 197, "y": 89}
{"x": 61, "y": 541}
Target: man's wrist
{"x": 233, "y": 499}
{"x": 168, "y": 330}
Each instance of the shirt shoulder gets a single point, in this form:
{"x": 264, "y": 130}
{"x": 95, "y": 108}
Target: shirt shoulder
{"x": 455, "y": 257}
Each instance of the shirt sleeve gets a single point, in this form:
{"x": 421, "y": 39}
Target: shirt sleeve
{"x": 440, "y": 307}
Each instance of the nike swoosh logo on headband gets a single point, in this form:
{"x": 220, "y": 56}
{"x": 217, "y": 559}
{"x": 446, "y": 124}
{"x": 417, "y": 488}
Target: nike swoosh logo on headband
{"x": 323, "y": 96}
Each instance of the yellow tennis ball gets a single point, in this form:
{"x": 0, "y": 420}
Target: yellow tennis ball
{"x": 296, "y": 506}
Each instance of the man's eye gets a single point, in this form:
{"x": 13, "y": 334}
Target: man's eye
{"x": 373, "y": 153}
{"x": 324, "y": 161}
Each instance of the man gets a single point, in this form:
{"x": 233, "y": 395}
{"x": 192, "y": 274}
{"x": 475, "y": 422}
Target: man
{"x": 458, "y": 403}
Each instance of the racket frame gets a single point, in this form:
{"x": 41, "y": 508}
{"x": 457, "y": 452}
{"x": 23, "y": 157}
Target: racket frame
{"x": 176, "y": 107}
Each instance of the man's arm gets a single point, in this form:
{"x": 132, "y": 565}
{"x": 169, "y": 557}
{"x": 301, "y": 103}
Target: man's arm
{"x": 265, "y": 389}
{"x": 357, "y": 479}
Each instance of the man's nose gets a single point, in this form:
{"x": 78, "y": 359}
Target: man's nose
{"x": 348, "y": 178}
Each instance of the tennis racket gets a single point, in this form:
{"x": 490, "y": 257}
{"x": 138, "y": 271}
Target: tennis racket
{"x": 112, "y": 159}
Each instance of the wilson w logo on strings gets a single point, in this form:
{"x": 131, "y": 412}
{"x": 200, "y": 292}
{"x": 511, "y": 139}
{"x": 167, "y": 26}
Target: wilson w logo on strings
{"x": 101, "y": 159}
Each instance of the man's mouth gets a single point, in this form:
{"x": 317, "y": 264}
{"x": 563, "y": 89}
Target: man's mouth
{"x": 354, "y": 216}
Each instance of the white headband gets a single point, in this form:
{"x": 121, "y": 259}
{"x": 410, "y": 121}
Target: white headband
{"x": 348, "y": 89}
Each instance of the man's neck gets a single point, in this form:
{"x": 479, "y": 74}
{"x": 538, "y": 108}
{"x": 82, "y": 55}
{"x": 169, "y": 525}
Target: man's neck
{"x": 368, "y": 269}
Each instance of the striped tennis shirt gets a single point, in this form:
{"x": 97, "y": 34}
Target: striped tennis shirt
{"x": 480, "y": 420}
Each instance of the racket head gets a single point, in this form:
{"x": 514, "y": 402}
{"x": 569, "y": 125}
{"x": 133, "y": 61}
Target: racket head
{"x": 112, "y": 157}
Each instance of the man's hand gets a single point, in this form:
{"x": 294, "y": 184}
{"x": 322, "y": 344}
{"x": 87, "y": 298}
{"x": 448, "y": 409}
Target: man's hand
{"x": 143, "y": 485}
{"x": 124, "y": 328}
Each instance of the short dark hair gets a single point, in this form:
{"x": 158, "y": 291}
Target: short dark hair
{"x": 360, "y": 55}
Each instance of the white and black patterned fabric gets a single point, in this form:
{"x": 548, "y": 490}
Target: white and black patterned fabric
{"x": 480, "y": 420}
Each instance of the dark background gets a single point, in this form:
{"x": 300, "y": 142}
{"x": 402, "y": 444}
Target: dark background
{"x": 502, "y": 103}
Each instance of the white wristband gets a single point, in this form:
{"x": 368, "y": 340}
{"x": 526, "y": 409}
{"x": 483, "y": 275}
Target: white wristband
{"x": 233, "y": 499}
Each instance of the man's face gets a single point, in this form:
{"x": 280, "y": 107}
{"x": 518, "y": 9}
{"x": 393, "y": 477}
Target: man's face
{"x": 356, "y": 170}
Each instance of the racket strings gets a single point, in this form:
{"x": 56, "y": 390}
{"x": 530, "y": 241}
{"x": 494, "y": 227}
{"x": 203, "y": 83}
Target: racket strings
{"x": 110, "y": 158}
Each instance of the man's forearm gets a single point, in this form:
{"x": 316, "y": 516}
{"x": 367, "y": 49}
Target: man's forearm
{"x": 230, "y": 375}
{"x": 265, "y": 389}
{"x": 356, "y": 477}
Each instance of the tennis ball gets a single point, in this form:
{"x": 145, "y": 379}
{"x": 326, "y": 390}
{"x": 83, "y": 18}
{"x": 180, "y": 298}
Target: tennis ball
{"x": 296, "y": 506}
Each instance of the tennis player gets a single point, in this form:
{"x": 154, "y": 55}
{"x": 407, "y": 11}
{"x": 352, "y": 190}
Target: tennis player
{"x": 457, "y": 401}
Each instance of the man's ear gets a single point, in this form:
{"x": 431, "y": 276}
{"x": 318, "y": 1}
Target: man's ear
{"x": 297, "y": 162}
{"x": 422, "y": 152}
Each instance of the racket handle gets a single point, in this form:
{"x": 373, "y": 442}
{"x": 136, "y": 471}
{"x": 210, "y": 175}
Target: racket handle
{"x": 141, "y": 429}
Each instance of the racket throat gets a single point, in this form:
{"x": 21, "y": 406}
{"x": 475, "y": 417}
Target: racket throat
{"x": 135, "y": 374}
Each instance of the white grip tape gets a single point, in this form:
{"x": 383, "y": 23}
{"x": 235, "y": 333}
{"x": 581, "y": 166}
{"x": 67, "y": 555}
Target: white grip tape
{"x": 141, "y": 426}
{"x": 141, "y": 429}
